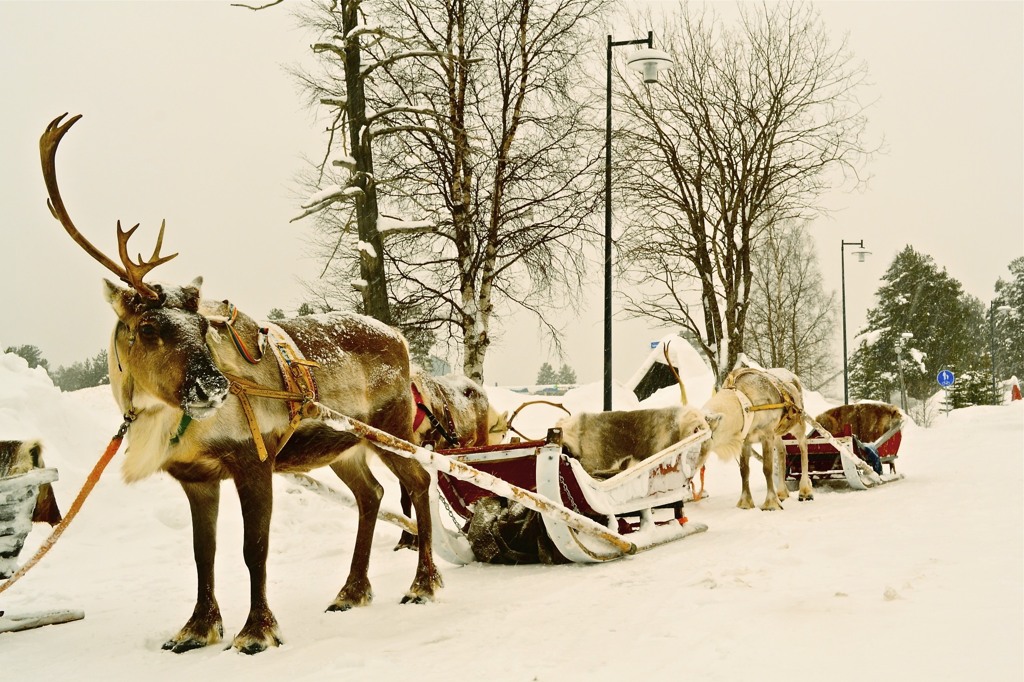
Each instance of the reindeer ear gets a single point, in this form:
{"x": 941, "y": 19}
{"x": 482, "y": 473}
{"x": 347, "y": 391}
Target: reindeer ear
{"x": 713, "y": 419}
{"x": 115, "y": 296}
{"x": 190, "y": 294}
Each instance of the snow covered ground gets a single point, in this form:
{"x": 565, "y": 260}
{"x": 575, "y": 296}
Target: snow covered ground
{"x": 918, "y": 580}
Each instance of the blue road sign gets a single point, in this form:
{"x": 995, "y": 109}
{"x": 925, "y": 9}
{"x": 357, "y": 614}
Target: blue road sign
{"x": 945, "y": 378}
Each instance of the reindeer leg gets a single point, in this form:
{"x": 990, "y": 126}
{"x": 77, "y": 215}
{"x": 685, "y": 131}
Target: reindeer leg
{"x": 427, "y": 579}
{"x": 771, "y": 498}
{"x": 255, "y": 492}
{"x": 205, "y": 626}
{"x": 407, "y": 540}
{"x": 353, "y": 470}
{"x": 806, "y": 487}
{"x": 746, "y": 500}
{"x": 781, "y": 489}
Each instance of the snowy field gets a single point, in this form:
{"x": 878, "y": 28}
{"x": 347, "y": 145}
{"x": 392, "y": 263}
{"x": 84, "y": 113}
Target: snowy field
{"x": 919, "y": 580}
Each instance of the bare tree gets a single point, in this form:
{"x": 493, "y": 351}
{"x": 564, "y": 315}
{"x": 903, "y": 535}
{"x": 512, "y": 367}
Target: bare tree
{"x": 790, "y": 321}
{"x": 481, "y": 160}
{"x": 750, "y": 127}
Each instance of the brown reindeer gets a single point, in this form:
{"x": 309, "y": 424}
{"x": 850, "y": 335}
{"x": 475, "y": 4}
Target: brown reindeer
{"x": 451, "y": 411}
{"x": 202, "y": 413}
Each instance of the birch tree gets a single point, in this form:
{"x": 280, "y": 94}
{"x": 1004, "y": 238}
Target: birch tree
{"x": 754, "y": 122}
{"x": 791, "y": 321}
{"x": 482, "y": 160}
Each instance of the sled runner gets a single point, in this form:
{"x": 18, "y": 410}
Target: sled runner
{"x": 587, "y": 520}
{"x": 845, "y": 460}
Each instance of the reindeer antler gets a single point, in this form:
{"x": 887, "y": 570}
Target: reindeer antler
{"x": 132, "y": 273}
{"x": 136, "y": 271}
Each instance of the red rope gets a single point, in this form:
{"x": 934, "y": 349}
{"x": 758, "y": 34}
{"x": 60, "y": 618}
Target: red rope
{"x": 90, "y": 483}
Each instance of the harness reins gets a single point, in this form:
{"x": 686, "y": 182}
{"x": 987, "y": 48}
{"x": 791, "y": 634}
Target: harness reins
{"x": 90, "y": 482}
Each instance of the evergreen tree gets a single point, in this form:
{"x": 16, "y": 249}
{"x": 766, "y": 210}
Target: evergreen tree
{"x": 919, "y": 299}
{"x": 547, "y": 375}
{"x": 566, "y": 375}
{"x": 32, "y": 355}
{"x": 275, "y": 315}
{"x": 85, "y": 374}
{"x": 972, "y": 387}
{"x": 306, "y": 309}
{"x": 1008, "y": 324}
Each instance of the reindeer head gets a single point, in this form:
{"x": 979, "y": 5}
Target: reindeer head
{"x": 160, "y": 339}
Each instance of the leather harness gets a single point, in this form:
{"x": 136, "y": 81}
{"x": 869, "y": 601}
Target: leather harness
{"x": 301, "y": 394}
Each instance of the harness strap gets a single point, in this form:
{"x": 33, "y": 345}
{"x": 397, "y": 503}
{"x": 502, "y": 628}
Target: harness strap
{"x": 239, "y": 344}
{"x": 243, "y": 388}
{"x": 423, "y": 411}
{"x": 436, "y": 424}
{"x": 748, "y": 411}
{"x": 773, "y": 406}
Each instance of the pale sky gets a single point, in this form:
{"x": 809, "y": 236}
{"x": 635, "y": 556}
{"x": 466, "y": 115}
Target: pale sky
{"x": 190, "y": 116}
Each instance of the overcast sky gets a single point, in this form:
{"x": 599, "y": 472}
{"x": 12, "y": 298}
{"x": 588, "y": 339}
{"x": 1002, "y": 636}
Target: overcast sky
{"x": 190, "y": 116}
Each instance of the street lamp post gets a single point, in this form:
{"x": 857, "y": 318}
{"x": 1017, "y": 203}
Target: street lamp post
{"x": 649, "y": 62}
{"x": 842, "y": 269}
{"x": 992, "y": 310}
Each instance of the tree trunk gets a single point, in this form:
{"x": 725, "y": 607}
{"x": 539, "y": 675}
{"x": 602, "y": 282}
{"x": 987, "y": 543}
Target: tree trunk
{"x": 371, "y": 261}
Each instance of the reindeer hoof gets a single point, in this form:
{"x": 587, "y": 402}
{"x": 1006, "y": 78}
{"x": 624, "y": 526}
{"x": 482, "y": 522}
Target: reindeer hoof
{"x": 187, "y": 639}
{"x": 349, "y": 598}
{"x": 407, "y": 541}
{"x": 249, "y": 646}
{"x": 415, "y": 599}
{"x": 256, "y": 638}
{"x": 806, "y": 497}
{"x": 180, "y": 647}
{"x": 252, "y": 647}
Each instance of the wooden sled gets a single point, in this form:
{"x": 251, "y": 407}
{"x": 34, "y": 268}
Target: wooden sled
{"x": 17, "y": 502}
{"x": 844, "y": 461}
{"x": 588, "y": 520}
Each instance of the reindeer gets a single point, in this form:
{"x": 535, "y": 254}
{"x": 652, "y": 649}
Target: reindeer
{"x": 759, "y": 406}
{"x": 452, "y": 411}
{"x": 204, "y": 411}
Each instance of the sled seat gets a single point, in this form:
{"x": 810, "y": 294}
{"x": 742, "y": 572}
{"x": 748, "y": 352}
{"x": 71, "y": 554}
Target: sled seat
{"x": 517, "y": 464}
{"x": 825, "y": 461}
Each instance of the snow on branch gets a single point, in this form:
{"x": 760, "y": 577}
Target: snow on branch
{"x": 345, "y": 161}
{"x": 326, "y": 196}
{"x": 388, "y": 225}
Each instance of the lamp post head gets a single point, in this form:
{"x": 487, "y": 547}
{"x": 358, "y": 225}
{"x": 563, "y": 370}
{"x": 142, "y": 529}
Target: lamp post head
{"x": 649, "y": 62}
{"x": 861, "y": 255}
